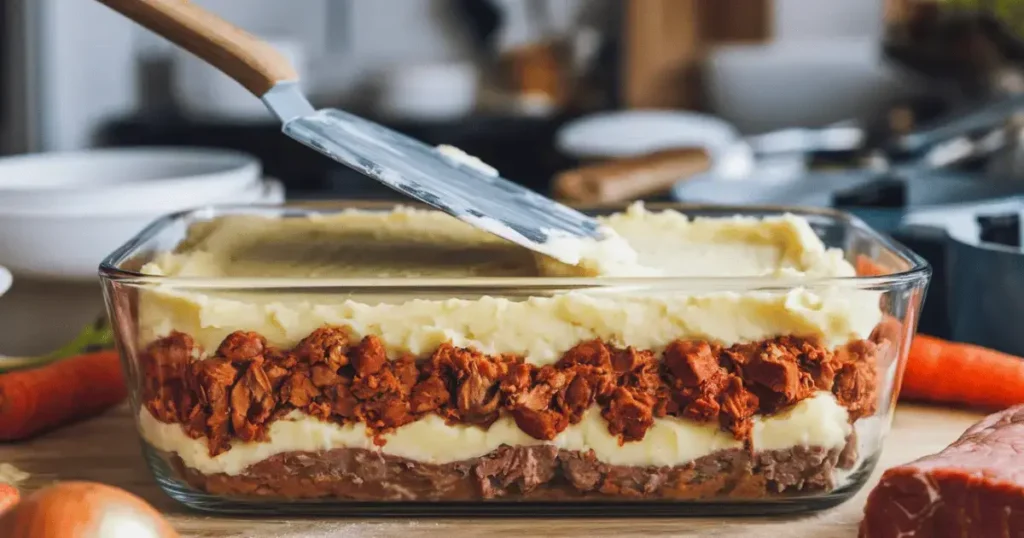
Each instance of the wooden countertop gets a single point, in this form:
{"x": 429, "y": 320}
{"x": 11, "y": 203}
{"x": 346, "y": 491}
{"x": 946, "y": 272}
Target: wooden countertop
{"x": 106, "y": 449}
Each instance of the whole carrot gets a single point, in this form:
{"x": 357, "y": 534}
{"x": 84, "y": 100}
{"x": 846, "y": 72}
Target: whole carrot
{"x": 950, "y": 372}
{"x": 35, "y": 400}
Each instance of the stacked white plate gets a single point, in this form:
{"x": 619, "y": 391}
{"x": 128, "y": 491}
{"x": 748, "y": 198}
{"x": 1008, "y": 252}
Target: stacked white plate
{"x": 62, "y": 213}
{"x": 632, "y": 133}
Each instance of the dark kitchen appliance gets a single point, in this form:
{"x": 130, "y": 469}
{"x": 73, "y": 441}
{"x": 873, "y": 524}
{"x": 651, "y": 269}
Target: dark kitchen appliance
{"x": 500, "y": 141}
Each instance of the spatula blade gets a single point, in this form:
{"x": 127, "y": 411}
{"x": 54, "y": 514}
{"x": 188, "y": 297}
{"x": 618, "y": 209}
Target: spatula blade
{"x": 484, "y": 200}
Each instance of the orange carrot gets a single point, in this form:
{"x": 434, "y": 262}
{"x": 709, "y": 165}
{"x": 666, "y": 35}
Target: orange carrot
{"x": 36, "y": 400}
{"x": 865, "y": 266}
{"x": 9, "y": 496}
{"x": 950, "y": 372}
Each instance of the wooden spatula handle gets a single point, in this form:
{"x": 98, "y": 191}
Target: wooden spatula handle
{"x": 621, "y": 180}
{"x": 252, "y": 62}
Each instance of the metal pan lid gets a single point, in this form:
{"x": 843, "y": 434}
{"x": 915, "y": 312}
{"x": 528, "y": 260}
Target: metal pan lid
{"x": 936, "y": 189}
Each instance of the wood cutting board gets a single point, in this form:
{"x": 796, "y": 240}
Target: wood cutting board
{"x": 106, "y": 449}
{"x": 664, "y": 43}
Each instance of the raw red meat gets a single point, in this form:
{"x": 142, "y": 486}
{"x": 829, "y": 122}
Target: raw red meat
{"x": 973, "y": 488}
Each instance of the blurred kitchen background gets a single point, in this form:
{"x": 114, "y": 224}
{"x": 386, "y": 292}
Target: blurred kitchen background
{"x": 904, "y": 112}
{"x": 495, "y": 77}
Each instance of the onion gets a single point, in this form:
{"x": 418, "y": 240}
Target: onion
{"x": 83, "y": 510}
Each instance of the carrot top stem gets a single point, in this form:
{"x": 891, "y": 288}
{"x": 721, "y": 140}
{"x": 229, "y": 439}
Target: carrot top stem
{"x": 94, "y": 337}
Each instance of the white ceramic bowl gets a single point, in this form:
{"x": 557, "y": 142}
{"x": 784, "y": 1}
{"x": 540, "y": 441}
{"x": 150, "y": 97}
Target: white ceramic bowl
{"x": 70, "y": 247}
{"x": 123, "y": 181}
{"x": 429, "y": 92}
{"x": 762, "y": 88}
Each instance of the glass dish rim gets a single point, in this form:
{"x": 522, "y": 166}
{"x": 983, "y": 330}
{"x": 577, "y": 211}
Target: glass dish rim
{"x": 109, "y": 269}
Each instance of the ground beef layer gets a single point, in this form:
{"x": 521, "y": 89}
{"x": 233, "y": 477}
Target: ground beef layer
{"x": 247, "y": 384}
{"x": 526, "y": 473}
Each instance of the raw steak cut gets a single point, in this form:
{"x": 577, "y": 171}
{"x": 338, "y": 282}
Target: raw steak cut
{"x": 973, "y": 488}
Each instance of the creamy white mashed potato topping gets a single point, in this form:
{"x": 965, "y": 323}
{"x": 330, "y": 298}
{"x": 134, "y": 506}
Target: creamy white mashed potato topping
{"x": 409, "y": 243}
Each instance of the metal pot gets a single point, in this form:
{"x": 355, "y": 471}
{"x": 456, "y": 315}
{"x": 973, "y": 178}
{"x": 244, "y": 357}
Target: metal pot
{"x": 986, "y": 283}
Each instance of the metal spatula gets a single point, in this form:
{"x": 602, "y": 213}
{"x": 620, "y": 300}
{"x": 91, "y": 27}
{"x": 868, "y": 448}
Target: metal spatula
{"x": 467, "y": 192}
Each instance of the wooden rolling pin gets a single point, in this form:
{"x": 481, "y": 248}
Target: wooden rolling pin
{"x": 631, "y": 178}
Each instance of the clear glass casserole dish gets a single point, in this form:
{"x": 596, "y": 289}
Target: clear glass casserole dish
{"x": 271, "y": 370}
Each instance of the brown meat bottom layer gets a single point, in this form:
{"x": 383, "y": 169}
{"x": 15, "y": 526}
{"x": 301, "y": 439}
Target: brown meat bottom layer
{"x": 527, "y": 473}
{"x": 247, "y": 384}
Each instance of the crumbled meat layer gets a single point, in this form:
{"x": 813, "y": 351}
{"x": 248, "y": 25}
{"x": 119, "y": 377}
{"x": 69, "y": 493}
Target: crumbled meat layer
{"x": 522, "y": 473}
{"x": 247, "y": 384}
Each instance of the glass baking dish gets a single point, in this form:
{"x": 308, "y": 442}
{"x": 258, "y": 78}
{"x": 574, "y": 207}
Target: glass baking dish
{"x": 257, "y": 394}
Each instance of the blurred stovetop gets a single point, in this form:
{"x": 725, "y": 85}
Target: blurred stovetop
{"x": 521, "y": 148}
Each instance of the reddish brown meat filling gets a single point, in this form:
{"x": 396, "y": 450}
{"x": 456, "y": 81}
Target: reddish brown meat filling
{"x": 523, "y": 473}
{"x": 248, "y": 384}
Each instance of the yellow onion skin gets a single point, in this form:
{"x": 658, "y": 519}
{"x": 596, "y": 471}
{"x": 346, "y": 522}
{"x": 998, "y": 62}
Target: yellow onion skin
{"x": 83, "y": 510}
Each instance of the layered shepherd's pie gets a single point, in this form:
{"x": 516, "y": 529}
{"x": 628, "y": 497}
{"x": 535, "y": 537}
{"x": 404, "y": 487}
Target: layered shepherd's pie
{"x": 668, "y": 391}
